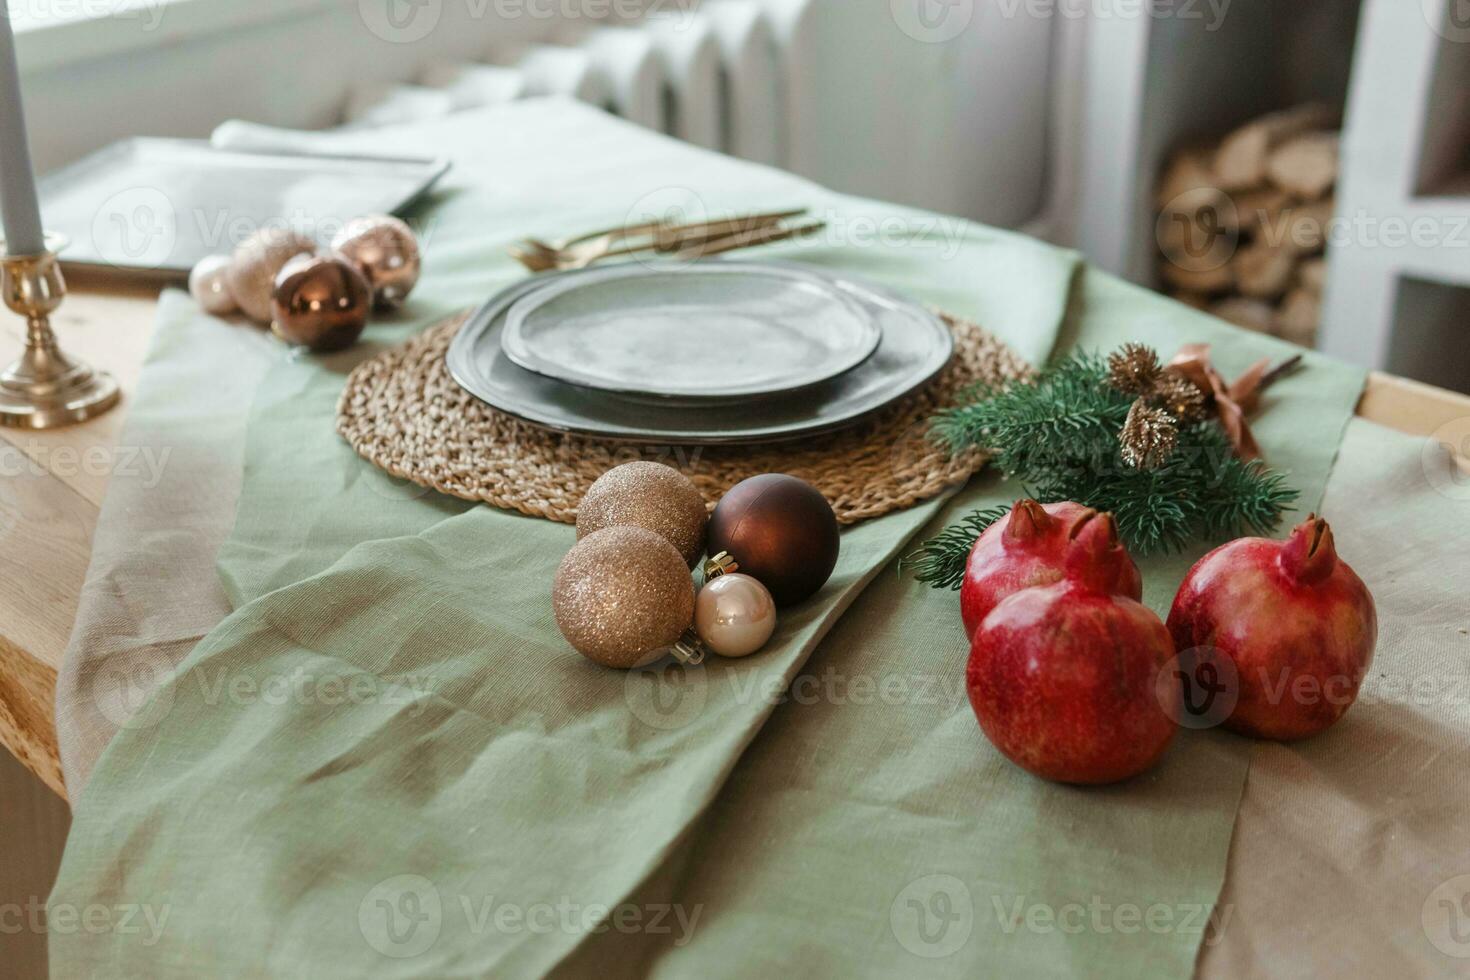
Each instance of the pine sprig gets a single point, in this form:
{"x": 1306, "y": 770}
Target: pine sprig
{"x": 1060, "y": 421}
{"x": 1059, "y": 434}
{"x": 940, "y": 561}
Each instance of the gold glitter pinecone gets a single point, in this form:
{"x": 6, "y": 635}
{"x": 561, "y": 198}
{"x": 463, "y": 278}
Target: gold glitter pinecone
{"x": 1134, "y": 369}
{"x": 1181, "y": 398}
{"x": 1149, "y": 436}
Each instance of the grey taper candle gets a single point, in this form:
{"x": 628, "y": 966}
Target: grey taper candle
{"x": 18, "y": 207}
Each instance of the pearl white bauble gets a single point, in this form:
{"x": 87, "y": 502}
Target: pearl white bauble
{"x": 208, "y": 286}
{"x": 734, "y": 615}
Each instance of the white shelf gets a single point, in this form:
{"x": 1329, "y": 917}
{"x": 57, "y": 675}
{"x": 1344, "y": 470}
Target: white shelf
{"x": 1400, "y": 69}
{"x": 1392, "y": 301}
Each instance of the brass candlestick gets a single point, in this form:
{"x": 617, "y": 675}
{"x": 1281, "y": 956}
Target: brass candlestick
{"x": 44, "y": 388}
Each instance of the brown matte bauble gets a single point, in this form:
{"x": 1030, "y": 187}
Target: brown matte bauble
{"x": 320, "y": 302}
{"x": 647, "y": 495}
{"x": 251, "y": 276}
{"x": 781, "y": 531}
{"x": 385, "y": 248}
{"x": 623, "y": 596}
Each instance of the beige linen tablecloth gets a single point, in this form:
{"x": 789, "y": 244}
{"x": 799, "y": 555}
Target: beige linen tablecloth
{"x": 151, "y": 590}
{"x": 1351, "y": 854}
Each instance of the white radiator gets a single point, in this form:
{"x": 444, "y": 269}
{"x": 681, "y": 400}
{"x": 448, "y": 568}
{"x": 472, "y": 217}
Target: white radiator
{"x": 848, "y": 92}
{"x": 710, "y": 76}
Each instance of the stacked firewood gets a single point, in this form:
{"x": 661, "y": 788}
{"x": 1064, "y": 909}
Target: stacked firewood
{"x": 1243, "y": 223}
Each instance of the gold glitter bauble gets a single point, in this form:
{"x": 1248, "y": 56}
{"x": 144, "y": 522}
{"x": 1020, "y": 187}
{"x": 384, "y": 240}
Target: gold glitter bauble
{"x": 647, "y": 495}
{"x": 622, "y": 597}
{"x": 253, "y": 267}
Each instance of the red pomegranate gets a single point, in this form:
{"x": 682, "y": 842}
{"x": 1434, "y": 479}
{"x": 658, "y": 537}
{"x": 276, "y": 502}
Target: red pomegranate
{"x": 1294, "y": 622}
{"x": 1062, "y": 676}
{"x": 1025, "y": 548}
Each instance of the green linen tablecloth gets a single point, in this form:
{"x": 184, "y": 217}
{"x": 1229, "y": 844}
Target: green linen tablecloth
{"x": 386, "y": 759}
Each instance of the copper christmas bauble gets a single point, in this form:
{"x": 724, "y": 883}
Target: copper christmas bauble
{"x": 623, "y": 596}
{"x": 320, "y": 302}
{"x": 388, "y": 254}
{"x": 208, "y": 285}
{"x": 253, "y": 267}
{"x": 780, "y": 530}
{"x": 647, "y": 495}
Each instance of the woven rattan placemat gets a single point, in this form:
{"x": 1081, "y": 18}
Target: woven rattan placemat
{"x": 404, "y": 412}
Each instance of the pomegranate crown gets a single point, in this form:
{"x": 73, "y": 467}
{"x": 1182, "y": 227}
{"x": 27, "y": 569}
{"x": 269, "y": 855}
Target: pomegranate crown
{"x": 1095, "y": 555}
{"x": 1310, "y": 554}
{"x": 1028, "y": 522}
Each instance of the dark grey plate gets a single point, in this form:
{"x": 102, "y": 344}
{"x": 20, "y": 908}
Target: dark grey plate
{"x": 152, "y": 208}
{"x": 915, "y": 345}
{"x": 723, "y": 331}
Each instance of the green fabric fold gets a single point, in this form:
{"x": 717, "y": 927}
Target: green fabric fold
{"x": 488, "y": 803}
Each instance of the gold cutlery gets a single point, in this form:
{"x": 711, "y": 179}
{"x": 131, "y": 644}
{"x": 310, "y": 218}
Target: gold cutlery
{"x": 583, "y": 250}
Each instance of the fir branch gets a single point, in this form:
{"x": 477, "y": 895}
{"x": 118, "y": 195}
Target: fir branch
{"x": 940, "y": 561}
{"x": 1059, "y": 434}
{"x": 1064, "y": 418}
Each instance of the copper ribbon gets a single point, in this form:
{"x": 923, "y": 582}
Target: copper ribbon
{"x": 1233, "y": 402}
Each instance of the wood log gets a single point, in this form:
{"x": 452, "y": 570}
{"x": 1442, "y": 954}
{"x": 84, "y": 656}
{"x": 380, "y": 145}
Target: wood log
{"x": 1241, "y": 161}
{"x": 1191, "y": 279}
{"x": 1254, "y": 210}
{"x": 1299, "y": 316}
{"x": 1306, "y": 165}
{"x": 1196, "y": 201}
{"x": 1263, "y": 270}
{"x": 1249, "y": 314}
{"x": 1199, "y": 223}
{"x": 1175, "y": 234}
{"x": 1196, "y": 242}
{"x": 1188, "y": 170}
{"x": 1311, "y": 275}
{"x": 1304, "y": 227}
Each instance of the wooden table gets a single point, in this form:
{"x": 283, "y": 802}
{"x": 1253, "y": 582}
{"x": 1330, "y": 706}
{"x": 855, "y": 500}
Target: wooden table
{"x": 52, "y": 488}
